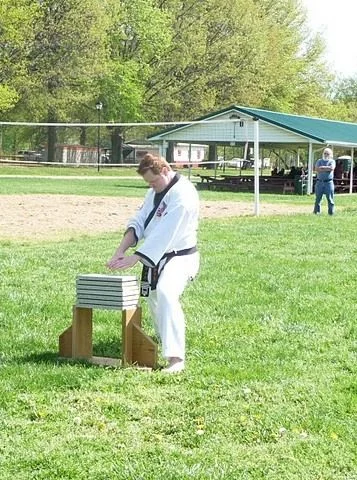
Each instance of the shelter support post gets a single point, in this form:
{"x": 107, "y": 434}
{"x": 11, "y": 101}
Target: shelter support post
{"x": 310, "y": 168}
{"x": 256, "y": 167}
{"x": 163, "y": 148}
{"x": 189, "y": 160}
{"x": 351, "y": 170}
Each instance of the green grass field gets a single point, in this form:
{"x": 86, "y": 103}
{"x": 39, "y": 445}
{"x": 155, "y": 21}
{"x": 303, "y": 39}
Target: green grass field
{"x": 104, "y": 170}
{"x": 270, "y": 387}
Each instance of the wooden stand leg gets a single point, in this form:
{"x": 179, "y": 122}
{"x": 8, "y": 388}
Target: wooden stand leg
{"x": 137, "y": 347}
{"x": 144, "y": 348}
{"x": 129, "y": 317}
{"x": 82, "y": 330}
{"x": 65, "y": 343}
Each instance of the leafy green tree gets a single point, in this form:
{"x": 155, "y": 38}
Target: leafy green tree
{"x": 345, "y": 99}
{"x": 15, "y": 37}
{"x": 157, "y": 60}
{"x": 137, "y": 34}
{"x": 64, "y": 58}
{"x": 239, "y": 51}
{"x": 8, "y": 98}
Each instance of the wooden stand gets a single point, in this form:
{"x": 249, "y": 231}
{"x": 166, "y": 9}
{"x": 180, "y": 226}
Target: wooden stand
{"x": 137, "y": 348}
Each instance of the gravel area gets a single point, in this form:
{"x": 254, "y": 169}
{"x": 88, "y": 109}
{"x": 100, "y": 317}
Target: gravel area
{"x": 41, "y": 217}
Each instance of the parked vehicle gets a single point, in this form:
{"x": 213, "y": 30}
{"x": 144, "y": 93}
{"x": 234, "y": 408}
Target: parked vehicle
{"x": 30, "y": 155}
{"x": 239, "y": 163}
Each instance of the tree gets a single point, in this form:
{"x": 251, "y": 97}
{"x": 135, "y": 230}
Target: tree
{"x": 64, "y": 58}
{"x": 15, "y": 36}
{"x": 138, "y": 32}
{"x": 345, "y": 99}
{"x": 8, "y": 98}
{"x": 157, "y": 60}
{"x": 239, "y": 51}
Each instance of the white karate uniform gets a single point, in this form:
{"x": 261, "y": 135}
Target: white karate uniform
{"x": 172, "y": 228}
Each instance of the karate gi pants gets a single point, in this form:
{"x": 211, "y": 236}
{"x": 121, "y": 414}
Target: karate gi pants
{"x": 164, "y": 303}
{"x": 327, "y": 189}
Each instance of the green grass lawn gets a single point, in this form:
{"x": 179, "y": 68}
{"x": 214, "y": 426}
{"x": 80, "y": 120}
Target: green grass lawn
{"x": 24, "y": 180}
{"x": 66, "y": 170}
{"x": 136, "y": 187}
{"x": 270, "y": 386}
{"x": 92, "y": 170}
{"x": 73, "y": 186}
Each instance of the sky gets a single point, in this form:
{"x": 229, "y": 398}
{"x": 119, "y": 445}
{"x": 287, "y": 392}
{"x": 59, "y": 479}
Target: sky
{"x": 336, "y": 21}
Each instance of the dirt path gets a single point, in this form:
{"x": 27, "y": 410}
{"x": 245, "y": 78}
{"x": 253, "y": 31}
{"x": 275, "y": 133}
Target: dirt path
{"x": 40, "y": 217}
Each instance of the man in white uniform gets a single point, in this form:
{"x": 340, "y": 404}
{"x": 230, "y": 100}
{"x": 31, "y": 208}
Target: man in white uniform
{"x": 167, "y": 224}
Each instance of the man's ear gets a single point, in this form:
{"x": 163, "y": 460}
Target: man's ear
{"x": 164, "y": 171}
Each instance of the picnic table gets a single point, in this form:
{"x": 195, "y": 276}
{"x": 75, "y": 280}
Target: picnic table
{"x": 342, "y": 185}
{"x": 245, "y": 183}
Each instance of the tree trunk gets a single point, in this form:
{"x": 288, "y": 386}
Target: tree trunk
{"x": 170, "y": 152}
{"x": 83, "y": 136}
{"x": 212, "y": 156}
{"x": 117, "y": 144}
{"x": 51, "y": 137}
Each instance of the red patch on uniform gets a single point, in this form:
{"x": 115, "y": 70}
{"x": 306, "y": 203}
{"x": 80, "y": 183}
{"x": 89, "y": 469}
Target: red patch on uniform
{"x": 160, "y": 211}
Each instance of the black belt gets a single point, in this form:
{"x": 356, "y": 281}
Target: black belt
{"x": 179, "y": 253}
{"x": 150, "y": 275}
{"x": 324, "y": 181}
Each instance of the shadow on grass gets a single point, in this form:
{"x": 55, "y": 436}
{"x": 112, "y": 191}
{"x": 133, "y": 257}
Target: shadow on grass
{"x": 52, "y": 358}
{"x": 108, "y": 349}
{"x": 43, "y": 357}
{"x": 120, "y": 185}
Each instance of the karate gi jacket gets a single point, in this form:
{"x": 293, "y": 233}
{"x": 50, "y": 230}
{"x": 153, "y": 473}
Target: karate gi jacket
{"x": 173, "y": 227}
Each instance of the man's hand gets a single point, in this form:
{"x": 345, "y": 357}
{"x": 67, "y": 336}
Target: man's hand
{"x": 120, "y": 262}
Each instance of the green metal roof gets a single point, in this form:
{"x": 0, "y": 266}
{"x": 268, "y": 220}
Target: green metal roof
{"x": 321, "y": 130}
{"x": 315, "y": 129}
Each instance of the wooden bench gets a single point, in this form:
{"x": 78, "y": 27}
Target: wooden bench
{"x": 239, "y": 183}
{"x": 289, "y": 186}
{"x": 267, "y": 184}
{"x": 206, "y": 182}
{"x": 342, "y": 185}
{"x": 245, "y": 183}
{"x": 215, "y": 183}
